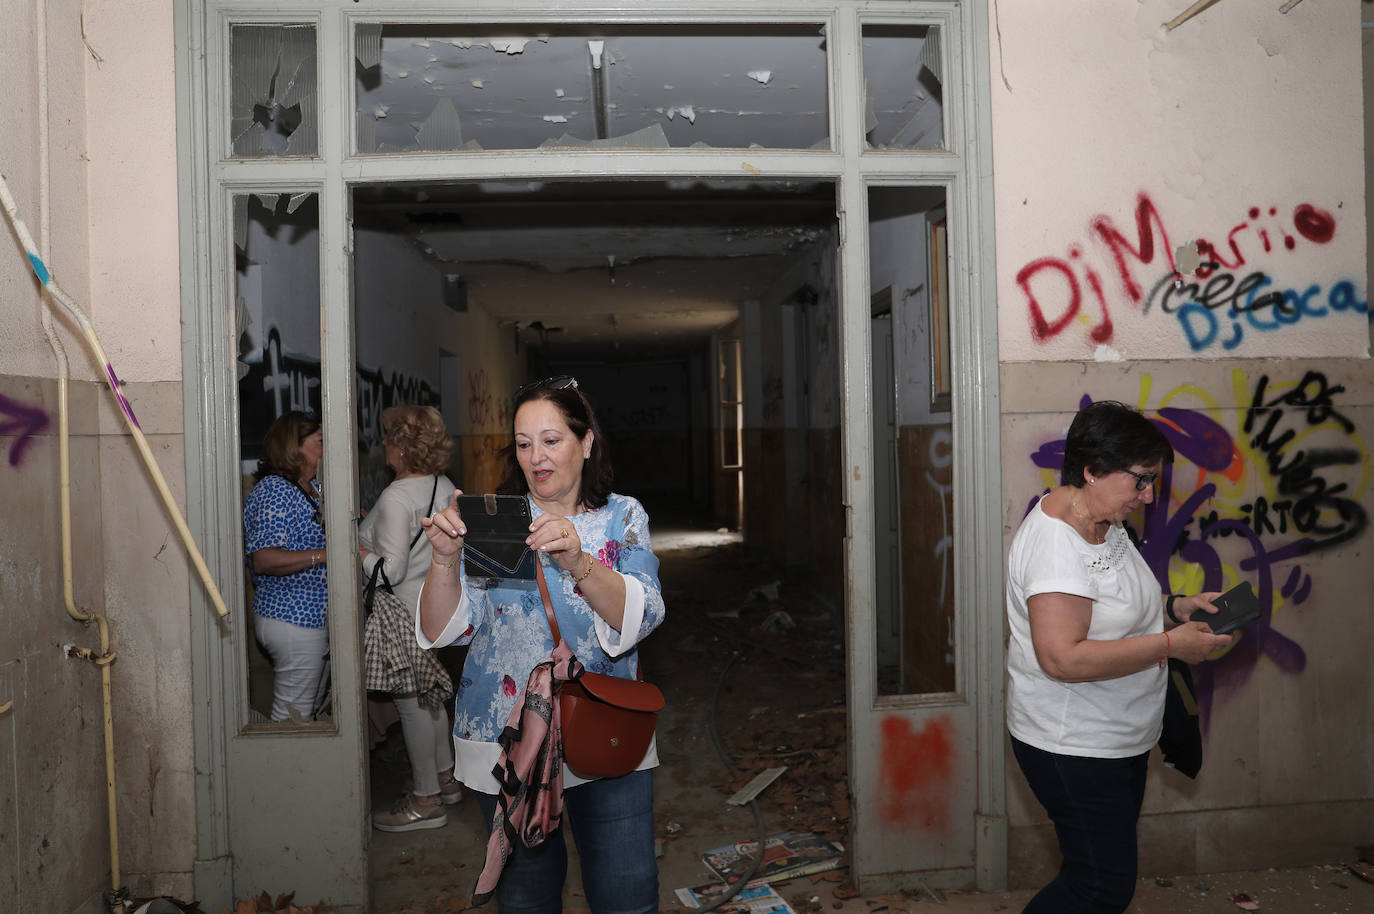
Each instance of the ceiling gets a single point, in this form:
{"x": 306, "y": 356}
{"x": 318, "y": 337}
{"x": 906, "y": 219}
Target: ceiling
{"x": 582, "y": 267}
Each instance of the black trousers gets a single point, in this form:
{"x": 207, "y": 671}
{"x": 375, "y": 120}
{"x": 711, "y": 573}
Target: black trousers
{"x": 1095, "y": 805}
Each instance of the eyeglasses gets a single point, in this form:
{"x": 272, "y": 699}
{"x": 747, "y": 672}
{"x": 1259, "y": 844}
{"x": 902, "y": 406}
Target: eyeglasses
{"x": 1143, "y": 481}
{"x": 557, "y": 382}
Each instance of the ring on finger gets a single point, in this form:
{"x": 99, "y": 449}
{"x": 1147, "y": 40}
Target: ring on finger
{"x": 563, "y": 533}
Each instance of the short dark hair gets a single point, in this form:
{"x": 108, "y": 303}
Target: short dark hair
{"x": 581, "y": 418}
{"x": 281, "y": 445}
{"x": 1107, "y": 437}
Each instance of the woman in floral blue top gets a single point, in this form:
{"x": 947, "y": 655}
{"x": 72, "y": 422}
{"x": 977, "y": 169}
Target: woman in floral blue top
{"x": 603, "y": 582}
{"x": 283, "y": 537}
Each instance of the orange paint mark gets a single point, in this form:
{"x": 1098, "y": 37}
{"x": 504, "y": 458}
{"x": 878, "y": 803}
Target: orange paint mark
{"x": 915, "y": 772}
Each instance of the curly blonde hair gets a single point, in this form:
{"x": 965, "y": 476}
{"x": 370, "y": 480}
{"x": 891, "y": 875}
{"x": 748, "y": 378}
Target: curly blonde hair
{"x": 420, "y": 434}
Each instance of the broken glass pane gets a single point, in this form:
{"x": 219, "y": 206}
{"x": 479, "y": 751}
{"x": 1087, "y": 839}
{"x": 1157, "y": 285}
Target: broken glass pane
{"x": 903, "y": 81}
{"x": 272, "y": 95}
{"x": 432, "y": 88}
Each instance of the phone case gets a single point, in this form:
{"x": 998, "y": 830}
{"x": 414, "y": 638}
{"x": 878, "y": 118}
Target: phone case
{"x": 494, "y": 545}
{"x": 1238, "y": 606}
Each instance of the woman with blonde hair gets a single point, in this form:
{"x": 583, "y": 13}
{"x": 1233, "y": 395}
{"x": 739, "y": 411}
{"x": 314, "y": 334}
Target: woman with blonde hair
{"x": 418, "y": 447}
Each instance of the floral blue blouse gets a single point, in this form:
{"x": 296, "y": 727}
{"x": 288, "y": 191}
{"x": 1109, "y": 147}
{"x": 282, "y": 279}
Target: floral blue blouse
{"x": 503, "y": 622}
{"x": 277, "y": 513}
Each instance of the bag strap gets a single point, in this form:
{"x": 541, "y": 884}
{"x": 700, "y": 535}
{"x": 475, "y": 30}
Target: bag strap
{"x": 548, "y": 604}
{"x": 432, "y": 492}
{"x": 548, "y": 611}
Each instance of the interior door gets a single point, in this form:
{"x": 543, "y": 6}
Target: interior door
{"x": 913, "y": 715}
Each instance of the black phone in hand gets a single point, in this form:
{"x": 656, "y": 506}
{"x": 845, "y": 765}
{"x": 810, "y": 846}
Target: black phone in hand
{"x": 1238, "y": 606}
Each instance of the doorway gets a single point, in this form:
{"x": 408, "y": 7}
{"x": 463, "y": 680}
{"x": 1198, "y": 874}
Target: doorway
{"x": 918, "y": 72}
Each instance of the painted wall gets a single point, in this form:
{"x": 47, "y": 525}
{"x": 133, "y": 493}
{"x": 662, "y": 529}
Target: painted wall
{"x": 1240, "y": 133}
{"x": 89, "y": 152}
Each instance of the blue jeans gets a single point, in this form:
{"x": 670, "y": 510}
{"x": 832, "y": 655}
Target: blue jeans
{"x": 613, "y": 824}
{"x": 1095, "y": 805}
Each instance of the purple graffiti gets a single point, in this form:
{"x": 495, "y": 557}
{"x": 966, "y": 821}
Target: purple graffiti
{"x": 23, "y": 422}
{"x": 1308, "y": 514}
{"x": 124, "y": 404}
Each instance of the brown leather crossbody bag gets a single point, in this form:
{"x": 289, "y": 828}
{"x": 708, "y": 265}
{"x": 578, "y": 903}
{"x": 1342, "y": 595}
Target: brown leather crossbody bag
{"x": 608, "y": 722}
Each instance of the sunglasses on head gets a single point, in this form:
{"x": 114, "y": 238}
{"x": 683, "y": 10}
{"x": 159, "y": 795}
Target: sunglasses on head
{"x": 1143, "y": 481}
{"x": 557, "y": 382}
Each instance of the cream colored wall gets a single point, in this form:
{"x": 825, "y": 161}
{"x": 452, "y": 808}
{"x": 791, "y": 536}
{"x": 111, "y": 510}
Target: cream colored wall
{"x": 1101, "y": 118}
{"x": 88, "y": 150}
{"x": 1240, "y": 109}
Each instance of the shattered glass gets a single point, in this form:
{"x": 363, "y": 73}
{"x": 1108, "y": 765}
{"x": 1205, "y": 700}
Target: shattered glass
{"x": 903, "y": 81}
{"x": 272, "y": 103}
{"x": 430, "y": 88}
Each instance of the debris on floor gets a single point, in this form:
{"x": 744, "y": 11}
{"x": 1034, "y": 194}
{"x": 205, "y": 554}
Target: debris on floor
{"x": 754, "y": 898}
{"x": 785, "y": 855}
{"x": 1245, "y": 902}
{"x": 282, "y": 904}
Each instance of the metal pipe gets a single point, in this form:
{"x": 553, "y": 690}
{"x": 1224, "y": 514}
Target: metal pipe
{"x": 56, "y": 294}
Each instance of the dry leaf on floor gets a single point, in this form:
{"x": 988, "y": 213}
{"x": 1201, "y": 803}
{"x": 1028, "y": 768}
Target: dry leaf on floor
{"x": 246, "y": 907}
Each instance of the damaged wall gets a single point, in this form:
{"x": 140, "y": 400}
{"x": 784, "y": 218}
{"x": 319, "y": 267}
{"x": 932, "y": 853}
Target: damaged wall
{"x": 1238, "y": 131}
{"x": 89, "y": 152}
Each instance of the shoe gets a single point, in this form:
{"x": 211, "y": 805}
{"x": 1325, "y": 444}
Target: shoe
{"x": 407, "y": 815}
{"x": 450, "y": 792}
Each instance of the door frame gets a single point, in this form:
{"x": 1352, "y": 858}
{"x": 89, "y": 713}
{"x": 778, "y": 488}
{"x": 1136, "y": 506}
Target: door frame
{"x": 226, "y": 756}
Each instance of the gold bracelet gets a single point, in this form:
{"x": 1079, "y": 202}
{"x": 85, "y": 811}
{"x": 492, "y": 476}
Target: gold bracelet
{"x": 434, "y": 559}
{"x": 583, "y": 576}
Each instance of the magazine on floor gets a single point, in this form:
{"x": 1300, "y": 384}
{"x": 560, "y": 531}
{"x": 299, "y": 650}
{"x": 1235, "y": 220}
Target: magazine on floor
{"x": 755, "y": 898}
{"x": 785, "y": 855}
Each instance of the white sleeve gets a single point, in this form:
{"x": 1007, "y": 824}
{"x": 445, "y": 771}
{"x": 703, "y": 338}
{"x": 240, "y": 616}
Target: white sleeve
{"x": 457, "y": 627}
{"x": 615, "y": 642}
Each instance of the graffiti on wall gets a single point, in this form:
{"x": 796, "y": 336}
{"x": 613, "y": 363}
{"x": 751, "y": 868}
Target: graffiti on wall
{"x": 23, "y": 422}
{"x": 485, "y": 411}
{"x": 1220, "y": 302}
{"x": 1281, "y": 486}
{"x": 278, "y": 381}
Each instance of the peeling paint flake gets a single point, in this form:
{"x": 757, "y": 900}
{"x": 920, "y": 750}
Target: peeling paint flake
{"x": 478, "y": 84}
{"x": 509, "y": 45}
{"x": 1106, "y": 353}
{"x": 686, "y": 111}
{"x": 555, "y": 119}
{"x": 760, "y": 76}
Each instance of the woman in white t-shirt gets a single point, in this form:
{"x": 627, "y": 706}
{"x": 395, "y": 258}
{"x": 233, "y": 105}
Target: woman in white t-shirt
{"x": 1086, "y": 659}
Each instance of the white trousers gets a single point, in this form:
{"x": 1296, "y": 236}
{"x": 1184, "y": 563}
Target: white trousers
{"x": 300, "y": 672}
{"x": 429, "y": 742}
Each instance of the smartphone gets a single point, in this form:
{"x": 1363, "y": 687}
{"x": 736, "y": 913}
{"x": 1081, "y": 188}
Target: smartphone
{"x": 494, "y": 545}
{"x": 1238, "y": 606}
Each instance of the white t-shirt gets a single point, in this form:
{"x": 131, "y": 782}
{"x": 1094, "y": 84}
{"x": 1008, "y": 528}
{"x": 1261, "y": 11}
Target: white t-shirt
{"x": 1109, "y": 718}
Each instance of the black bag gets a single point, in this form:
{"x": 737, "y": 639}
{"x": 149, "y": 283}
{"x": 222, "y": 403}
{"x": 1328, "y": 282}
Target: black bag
{"x": 373, "y": 582}
{"x": 494, "y": 545}
{"x": 1180, "y": 739}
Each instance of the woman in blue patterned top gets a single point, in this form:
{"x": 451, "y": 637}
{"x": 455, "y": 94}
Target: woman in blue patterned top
{"x": 603, "y": 582}
{"x": 283, "y": 537}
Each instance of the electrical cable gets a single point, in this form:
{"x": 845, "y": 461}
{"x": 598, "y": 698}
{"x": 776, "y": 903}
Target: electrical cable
{"x": 730, "y": 767}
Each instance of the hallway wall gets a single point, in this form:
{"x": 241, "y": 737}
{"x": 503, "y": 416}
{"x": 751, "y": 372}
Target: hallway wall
{"x": 1188, "y": 236}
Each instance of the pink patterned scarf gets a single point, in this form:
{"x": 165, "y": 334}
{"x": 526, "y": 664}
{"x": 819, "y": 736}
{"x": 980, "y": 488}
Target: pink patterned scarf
{"x": 529, "y": 805}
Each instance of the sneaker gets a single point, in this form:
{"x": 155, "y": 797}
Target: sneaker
{"x": 407, "y": 815}
{"x": 450, "y": 792}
